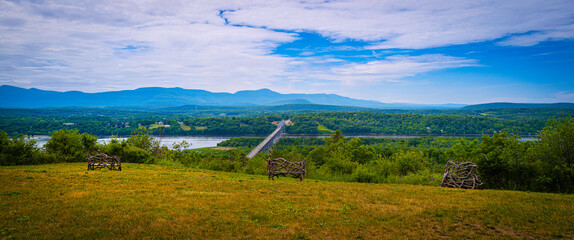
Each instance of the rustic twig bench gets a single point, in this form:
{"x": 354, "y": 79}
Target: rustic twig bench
{"x": 102, "y": 160}
{"x": 280, "y": 166}
{"x": 461, "y": 175}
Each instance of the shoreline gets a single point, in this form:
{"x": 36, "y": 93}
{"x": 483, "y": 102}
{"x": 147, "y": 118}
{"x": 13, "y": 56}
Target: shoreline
{"x": 305, "y": 135}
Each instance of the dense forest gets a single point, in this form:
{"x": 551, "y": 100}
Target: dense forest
{"x": 121, "y": 122}
{"x": 108, "y": 126}
{"x": 384, "y": 123}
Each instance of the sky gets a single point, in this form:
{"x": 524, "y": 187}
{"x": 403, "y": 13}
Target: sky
{"x": 408, "y": 51}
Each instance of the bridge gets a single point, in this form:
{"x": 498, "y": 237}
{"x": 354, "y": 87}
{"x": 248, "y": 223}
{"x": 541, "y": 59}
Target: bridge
{"x": 271, "y": 140}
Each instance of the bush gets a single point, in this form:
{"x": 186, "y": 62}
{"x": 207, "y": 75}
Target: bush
{"x": 136, "y": 155}
{"x": 127, "y": 153}
{"x": 140, "y": 138}
{"x": 410, "y": 161}
{"x": 385, "y": 167}
{"x": 180, "y": 155}
{"x": 257, "y": 165}
{"x": 220, "y": 165}
{"x": 70, "y": 146}
{"x": 18, "y": 151}
{"x": 364, "y": 174}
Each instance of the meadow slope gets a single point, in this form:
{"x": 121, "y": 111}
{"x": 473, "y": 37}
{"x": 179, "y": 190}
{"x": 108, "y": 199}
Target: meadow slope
{"x": 64, "y": 201}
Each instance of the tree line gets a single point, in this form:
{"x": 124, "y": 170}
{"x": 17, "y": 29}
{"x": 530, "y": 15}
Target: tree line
{"x": 107, "y": 126}
{"x": 505, "y": 162}
{"x": 107, "y": 122}
{"x": 399, "y": 123}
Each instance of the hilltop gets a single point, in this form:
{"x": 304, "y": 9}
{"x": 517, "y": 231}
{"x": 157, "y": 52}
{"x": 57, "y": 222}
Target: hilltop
{"x": 154, "y": 201}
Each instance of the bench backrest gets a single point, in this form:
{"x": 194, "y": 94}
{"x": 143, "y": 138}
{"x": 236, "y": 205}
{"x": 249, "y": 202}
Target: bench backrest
{"x": 283, "y": 166}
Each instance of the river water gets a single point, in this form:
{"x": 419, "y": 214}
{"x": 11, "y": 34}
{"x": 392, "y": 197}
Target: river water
{"x": 196, "y": 142}
{"x": 203, "y": 142}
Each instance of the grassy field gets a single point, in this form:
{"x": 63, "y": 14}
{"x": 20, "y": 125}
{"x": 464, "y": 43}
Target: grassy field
{"x": 154, "y": 126}
{"x": 184, "y": 127}
{"x": 64, "y": 201}
{"x": 324, "y": 129}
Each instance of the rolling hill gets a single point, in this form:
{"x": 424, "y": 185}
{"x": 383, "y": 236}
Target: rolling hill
{"x": 500, "y": 105}
{"x": 15, "y": 97}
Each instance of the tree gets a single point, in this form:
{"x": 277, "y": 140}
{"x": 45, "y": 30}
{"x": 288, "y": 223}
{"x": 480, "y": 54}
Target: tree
{"x": 493, "y": 161}
{"x": 69, "y": 145}
{"x": 336, "y": 137}
{"x": 557, "y": 141}
{"x": 463, "y": 151}
{"x": 17, "y": 150}
{"x": 555, "y": 153}
{"x": 140, "y": 138}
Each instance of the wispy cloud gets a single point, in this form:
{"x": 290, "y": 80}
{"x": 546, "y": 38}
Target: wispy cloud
{"x": 565, "y": 96}
{"x": 226, "y": 45}
{"x": 530, "y": 39}
{"x": 392, "y": 69}
{"x": 413, "y": 24}
{"x": 117, "y": 47}
{"x": 400, "y": 66}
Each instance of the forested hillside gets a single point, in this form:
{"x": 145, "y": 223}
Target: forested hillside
{"x": 106, "y": 122}
{"x": 383, "y": 123}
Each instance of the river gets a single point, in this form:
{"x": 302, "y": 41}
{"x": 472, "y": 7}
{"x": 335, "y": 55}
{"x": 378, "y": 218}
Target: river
{"x": 203, "y": 142}
{"x": 196, "y": 142}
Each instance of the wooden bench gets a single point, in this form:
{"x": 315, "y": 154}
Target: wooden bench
{"x": 461, "y": 175}
{"x": 102, "y": 160}
{"x": 280, "y": 166}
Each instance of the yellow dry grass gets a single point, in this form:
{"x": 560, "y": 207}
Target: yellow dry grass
{"x": 64, "y": 201}
{"x": 222, "y": 148}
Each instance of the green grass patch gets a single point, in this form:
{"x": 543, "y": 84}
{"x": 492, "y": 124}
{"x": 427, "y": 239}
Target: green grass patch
{"x": 154, "y": 201}
{"x": 217, "y": 149}
{"x": 324, "y": 129}
{"x": 200, "y": 128}
{"x": 10, "y": 194}
{"x": 184, "y": 127}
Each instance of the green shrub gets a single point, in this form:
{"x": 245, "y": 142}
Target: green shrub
{"x": 136, "y": 155}
{"x": 220, "y": 165}
{"x": 18, "y": 151}
{"x": 70, "y": 146}
{"x": 257, "y": 165}
{"x": 364, "y": 174}
{"x": 410, "y": 161}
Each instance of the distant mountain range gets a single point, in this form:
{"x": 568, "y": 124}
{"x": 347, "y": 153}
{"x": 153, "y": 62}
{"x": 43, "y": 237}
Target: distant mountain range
{"x": 518, "y": 105}
{"x": 15, "y": 97}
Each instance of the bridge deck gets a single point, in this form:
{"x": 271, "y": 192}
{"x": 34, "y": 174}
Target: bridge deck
{"x": 267, "y": 140}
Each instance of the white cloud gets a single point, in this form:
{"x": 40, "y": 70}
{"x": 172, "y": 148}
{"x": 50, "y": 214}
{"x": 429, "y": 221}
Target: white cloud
{"x": 402, "y": 66}
{"x": 67, "y": 47}
{"x": 414, "y": 24}
{"x": 227, "y": 45}
{"x": 564, "y": 96}
{"x": 531, "y": 39}
{"x": 391, "y": 69}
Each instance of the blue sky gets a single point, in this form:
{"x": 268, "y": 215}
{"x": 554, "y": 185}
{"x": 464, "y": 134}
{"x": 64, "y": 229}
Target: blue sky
{"x": 428, "y": 52}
